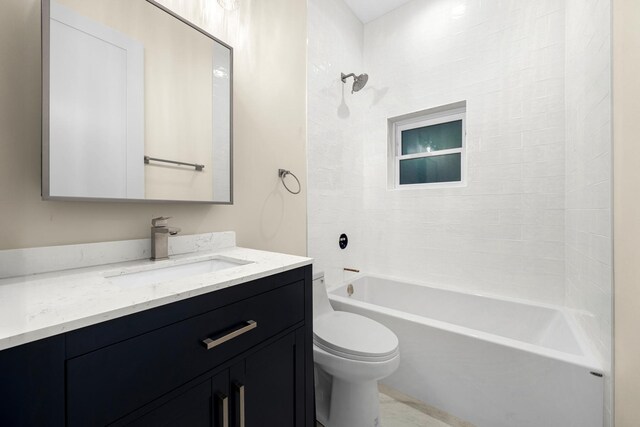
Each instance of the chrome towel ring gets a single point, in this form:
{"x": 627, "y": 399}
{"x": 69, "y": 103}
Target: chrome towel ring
{"x": 282, "y": 173}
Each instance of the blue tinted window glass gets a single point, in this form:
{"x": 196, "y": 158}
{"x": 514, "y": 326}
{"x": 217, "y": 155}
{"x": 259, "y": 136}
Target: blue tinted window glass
{"x": 443, "y": 136}
{"x": 423, "y": 170}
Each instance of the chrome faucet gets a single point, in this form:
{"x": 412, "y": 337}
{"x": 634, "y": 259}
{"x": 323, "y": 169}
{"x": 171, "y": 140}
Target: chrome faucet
{"x": 160, "y": 232}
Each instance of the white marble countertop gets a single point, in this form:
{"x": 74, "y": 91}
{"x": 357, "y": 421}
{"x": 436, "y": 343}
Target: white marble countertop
{"x": 41, "y": 305}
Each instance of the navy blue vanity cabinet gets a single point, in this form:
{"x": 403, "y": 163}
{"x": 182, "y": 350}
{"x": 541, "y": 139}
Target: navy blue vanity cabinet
{"x": 273, "y": 378}
{"x": 201, "y": 403}
{"x": 240, "y": 356}
{"x": 192, "y": 407}
{"x": 32, "y": 384}
{"x": 267, "y": 388}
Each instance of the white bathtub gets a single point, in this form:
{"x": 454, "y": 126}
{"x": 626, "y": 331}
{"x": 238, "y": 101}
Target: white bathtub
{"x": 493, "y": 362}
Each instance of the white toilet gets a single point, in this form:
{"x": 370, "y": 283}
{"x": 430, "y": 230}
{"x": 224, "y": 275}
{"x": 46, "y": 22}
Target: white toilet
{"x": 351, "y": 353}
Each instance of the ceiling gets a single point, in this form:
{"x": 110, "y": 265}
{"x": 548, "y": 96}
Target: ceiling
{"x": 368, "y": 10}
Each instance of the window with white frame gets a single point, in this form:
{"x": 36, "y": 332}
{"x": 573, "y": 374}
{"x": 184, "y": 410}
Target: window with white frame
{"x": 429, "y": 148}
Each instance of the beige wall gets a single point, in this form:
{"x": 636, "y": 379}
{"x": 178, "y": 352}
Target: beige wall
{"x": 626, "y": 114}
{"x": 270, "y": 131}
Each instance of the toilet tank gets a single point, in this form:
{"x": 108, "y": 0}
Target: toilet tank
{"x": 321, "y": 303}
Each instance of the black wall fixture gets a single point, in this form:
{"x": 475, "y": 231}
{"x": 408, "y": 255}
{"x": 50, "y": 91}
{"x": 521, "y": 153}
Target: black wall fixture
{"x": 343, "y": 241}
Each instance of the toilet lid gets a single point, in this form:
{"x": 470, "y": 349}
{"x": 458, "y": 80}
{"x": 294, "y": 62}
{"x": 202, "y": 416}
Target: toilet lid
{"x": 354, "y": 336}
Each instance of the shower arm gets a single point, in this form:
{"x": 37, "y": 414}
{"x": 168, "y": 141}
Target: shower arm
{"x": 346, "y": 76}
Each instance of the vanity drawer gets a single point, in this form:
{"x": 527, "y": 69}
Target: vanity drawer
{"x": 107, "y": 384}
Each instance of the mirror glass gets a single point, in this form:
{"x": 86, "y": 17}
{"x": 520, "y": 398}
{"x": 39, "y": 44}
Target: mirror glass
{"x": 136, "y": 104}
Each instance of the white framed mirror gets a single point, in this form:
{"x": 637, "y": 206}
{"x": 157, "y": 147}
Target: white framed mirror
{"x": 137, "y": 105}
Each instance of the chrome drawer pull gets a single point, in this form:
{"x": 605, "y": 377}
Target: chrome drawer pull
{"x": 223, "y": 409}
{"x": 210, "y": 343}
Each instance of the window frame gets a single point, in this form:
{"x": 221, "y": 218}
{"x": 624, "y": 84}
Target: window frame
{"x": 429, "y": 120}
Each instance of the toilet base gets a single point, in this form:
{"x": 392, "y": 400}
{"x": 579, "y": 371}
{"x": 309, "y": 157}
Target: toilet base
{"x": 353, "y": 404}
{"x": 347, "y": 390}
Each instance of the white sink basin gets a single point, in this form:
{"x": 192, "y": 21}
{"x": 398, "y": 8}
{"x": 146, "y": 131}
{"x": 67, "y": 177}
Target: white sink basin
{"x": 172, "y": 272}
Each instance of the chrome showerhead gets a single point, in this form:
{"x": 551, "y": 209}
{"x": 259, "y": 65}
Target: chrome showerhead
{"x": 358, "y": 81}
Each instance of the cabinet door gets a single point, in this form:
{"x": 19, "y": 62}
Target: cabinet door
{"x": 268, "y": 387}
{"x": 192, "y": 407}
{"x": 32, "y": 384}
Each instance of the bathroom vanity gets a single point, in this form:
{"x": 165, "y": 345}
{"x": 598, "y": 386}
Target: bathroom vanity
{"x": 231, "y": 347}
{"x": 137, "y": 106}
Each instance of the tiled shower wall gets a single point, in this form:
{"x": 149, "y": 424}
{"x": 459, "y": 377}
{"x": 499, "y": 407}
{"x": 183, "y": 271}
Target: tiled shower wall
{"x": 334, "y": 149}
{"x": 501, "y": 234}
{"x": 588, "y": 167}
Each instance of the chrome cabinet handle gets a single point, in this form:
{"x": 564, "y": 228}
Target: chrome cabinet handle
{"x": 211, "y": 343}
{"x": 240, "y": 393}
{"x": 223, "y": 409}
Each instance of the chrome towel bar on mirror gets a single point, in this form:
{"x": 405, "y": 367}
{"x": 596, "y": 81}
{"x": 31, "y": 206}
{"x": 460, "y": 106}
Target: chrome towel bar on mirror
{"x": 211, "y": 343}
{"x": 197, "y": 166}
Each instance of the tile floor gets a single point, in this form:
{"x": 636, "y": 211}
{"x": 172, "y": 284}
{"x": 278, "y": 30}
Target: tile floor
{"x": 400, "y": 410}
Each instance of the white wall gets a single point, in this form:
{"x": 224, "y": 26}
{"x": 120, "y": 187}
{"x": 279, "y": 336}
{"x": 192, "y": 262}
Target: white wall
{"x": 503, "y": 233}
{"x": 335, "y": 157}
{"x": 588, "y": 167}
{"x": 269, "y": 133}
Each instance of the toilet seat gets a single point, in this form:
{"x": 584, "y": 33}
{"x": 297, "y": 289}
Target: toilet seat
{"x": 354, "y": 337}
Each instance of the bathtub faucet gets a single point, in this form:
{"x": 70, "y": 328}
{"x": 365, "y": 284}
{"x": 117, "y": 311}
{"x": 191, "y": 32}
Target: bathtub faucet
{"x": 353, "y": 270}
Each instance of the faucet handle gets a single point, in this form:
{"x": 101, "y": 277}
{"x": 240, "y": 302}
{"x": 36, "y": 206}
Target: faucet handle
{"x": 161, "y": 221}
